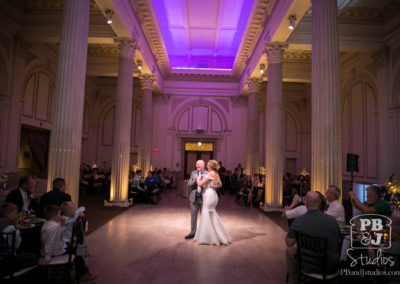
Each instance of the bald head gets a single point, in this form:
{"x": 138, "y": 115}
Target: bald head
{"x": 313, "y": 201}
{"x": 200, "y": 165}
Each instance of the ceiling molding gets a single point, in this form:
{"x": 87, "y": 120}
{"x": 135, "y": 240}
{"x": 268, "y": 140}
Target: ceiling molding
{"x": 149, "y": 25}
{"x": 251, "y": 36}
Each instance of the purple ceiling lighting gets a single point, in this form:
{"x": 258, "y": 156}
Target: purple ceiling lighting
{"x": 202, "y": 34}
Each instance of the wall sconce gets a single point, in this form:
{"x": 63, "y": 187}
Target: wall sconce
{"x": 109, "y": 14}
{"x": 292, "y": 22}
{"x": 262, "y": 68}
{"x": 139, "y": 64}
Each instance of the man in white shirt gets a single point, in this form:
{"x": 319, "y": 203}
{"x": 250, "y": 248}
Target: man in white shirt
{"x": 291, "y": 211}
{"x": 335, "y": 208}
{"x": 22, "y": 195}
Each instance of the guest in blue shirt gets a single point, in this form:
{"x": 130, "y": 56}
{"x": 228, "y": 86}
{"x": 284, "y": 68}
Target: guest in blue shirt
{"x": 150, "y": 182}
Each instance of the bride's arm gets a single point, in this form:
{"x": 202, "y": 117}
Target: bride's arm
{"x": 202, "y": 182}
{"x": 219, "y": 182}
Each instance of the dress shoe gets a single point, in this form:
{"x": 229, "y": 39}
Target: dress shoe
{"x": 188, "y": 237}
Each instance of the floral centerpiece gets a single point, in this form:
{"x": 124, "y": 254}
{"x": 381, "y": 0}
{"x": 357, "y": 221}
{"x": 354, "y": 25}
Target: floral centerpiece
{"x": 262, "y": 171}
{"x": 3, "y": 178}
{"x": 3, "y": 181}
{"x": 135, "y": 167}
{"x": 393, "y": 188}
{"x": 304, "y": 172}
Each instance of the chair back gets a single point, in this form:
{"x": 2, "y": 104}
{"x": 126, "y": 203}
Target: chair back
{"x": 134, "y": 184}
{"x": 75, "y": 238}
{"x": 7, "y": 253}
{"x": 312, "y": 251}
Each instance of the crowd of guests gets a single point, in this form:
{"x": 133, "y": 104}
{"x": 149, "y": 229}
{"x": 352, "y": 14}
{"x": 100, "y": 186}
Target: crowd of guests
{"x": 251, "y": 188}
{"x": 95, "y": 180}
{"x": 148, "y": 189}
{"x": 55, "y": 234}
{"x": 323, "y": 217}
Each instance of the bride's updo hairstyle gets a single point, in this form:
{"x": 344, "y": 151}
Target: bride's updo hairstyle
{"x": 214, "y": 165}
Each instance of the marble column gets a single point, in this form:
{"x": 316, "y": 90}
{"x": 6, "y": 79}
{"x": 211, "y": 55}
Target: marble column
{"x": 326, "y": 114}
{"x": 122, "y": 124}
{"x": 66, "y": 132}
{"x": 252, "y": 161}
{"x": 274, "y": 127}
{"x": 146, "y": 126}
{"x": 382, "y": 63}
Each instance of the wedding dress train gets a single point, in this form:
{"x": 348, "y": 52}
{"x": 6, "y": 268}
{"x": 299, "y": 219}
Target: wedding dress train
{"x": 211, "y": 231}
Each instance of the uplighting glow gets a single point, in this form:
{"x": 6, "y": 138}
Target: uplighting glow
{"x": 202, "y": 34}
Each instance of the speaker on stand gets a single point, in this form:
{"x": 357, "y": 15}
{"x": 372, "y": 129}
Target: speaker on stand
{"x": 352, "y": 165}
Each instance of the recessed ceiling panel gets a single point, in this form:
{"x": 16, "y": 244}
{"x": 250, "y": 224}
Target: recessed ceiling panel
{"x": 202, "y": 34}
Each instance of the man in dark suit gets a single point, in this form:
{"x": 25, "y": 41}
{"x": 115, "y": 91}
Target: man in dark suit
{"x": 22, "y": 195}
{"x": 56, "y": 196}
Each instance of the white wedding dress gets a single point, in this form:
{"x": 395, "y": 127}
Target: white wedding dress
{"x": 211, "y": 231}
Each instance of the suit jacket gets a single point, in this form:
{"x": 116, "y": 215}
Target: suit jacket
{"x": 192, "y": 185}
{"x": 54, "y": 197}
{"x": 15, "y": 197}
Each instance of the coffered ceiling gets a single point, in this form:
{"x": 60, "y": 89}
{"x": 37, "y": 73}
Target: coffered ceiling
{"x": 202, "y": 34}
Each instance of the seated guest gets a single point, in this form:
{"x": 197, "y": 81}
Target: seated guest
{"x": 166, "y": 178}
{"x": 22, "y": 195}
{"x": 71, "y": 215}
{"x": 247, "y": 186}
{"x": 51, "y": 237}
{"x": 162, "y": 185}
{"x": 295, "y": 209}
{"x": 239, "y": 168}
{"x": 8, "y": 221}
{"x": 136, "y": 180}
{"x": 56, "y": 196}
{"x": 315, "y": 224}
{"x": 150, "y": 182}
{"x": 374, "y": 203}
{"x": 237, "y": 181}
{"x": 335, "y": 208}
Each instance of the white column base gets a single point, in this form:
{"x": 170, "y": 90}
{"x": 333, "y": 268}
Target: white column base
{"x": 270, "y": 208}
{"x": 118, "y": 203}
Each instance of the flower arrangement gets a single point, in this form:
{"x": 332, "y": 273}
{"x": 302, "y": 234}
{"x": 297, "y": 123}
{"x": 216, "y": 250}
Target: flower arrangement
{"x": 393, "y": 188}
{"x": 3, "y": 177}
{"x": 304, "y": 172}
{"x": 135, "y": 167}
{"x": 262, "y": 171}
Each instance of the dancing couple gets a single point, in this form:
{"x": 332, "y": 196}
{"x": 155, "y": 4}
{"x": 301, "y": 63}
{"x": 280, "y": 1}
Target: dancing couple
{"x": 203, "y": 184}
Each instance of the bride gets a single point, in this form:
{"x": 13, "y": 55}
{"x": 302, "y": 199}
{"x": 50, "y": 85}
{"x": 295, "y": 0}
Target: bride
{"x": 211, "y": 231}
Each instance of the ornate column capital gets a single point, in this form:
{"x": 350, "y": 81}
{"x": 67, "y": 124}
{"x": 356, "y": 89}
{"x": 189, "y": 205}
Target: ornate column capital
{"x": 147, "y": 81}
{"x": 275, "y": 50}
{"x": 253, "y": 84}
{"x": 127, "y": 47}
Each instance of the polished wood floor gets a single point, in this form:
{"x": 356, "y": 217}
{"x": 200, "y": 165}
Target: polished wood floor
{"x": 145, "y": 244}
